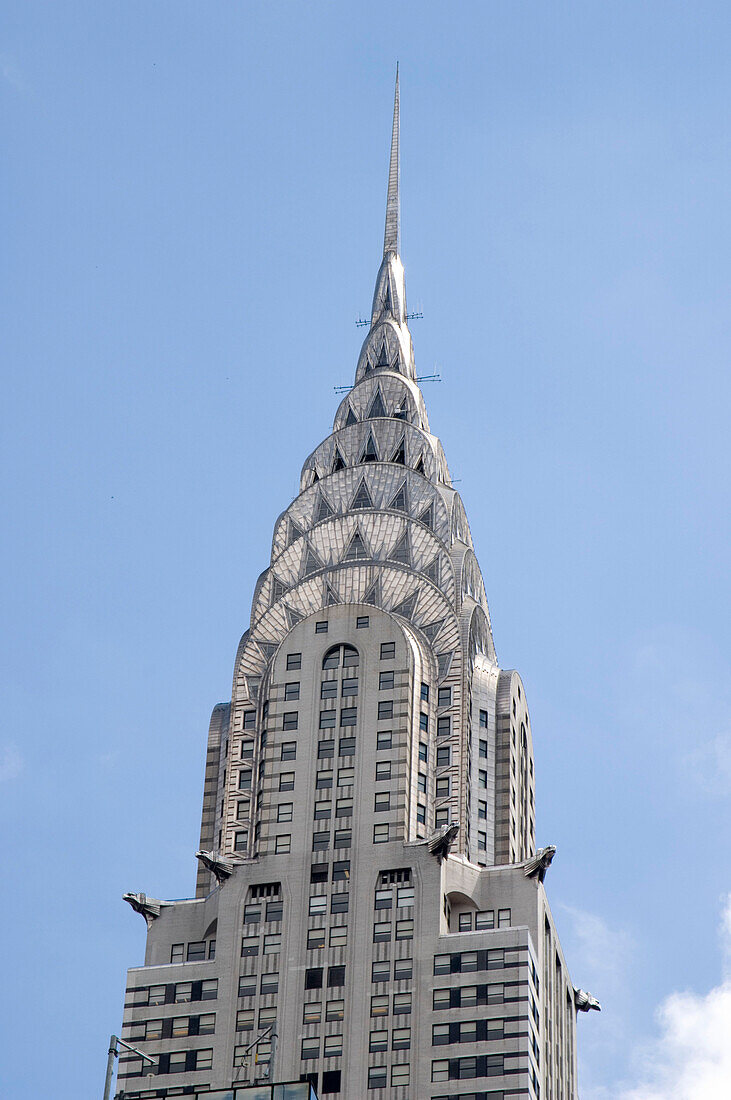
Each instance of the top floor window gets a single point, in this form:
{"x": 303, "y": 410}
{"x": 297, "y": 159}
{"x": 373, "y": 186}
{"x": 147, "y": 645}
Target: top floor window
{"x": 341, "y": 655}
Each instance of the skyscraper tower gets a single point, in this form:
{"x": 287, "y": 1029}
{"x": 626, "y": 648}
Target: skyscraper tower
{"x": 370, "y": 912}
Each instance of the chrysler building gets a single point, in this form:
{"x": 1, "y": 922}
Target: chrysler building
{"x": 370, "y": 914}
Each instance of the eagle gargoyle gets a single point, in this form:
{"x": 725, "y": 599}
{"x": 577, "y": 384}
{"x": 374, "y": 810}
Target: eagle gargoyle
{"x": 149, "y": 908}
{"x": 585, "y": 1002}
{"x": 540, "y": 862}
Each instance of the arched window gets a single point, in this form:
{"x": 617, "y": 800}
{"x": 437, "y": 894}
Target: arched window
{"x": 337, "y": 655}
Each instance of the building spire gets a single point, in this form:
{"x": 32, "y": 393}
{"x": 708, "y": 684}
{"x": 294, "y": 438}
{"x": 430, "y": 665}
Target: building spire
{"x": 391, "y": 236}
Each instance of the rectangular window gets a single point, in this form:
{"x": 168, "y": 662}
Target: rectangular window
{"x": 400, "y": 1074}
{"x": 385, "y": 710}
{"x": 209, "y": 989}
{"x": 385, "y": 680}
{"x": 312, "y": 1013}
{"x": 346, "y": 777}
{"x": 286, "y": 781}
{"x": 350, "y": 686}
{"x": 249, "y": 946}
{"x": 326, "y": 748}
{"x": 383, "y": 769}
{"x": 384, "y": 740}
{"x": 424, "y": 693}
{"x": 341, "y": 870}
{"x": 252, "y": 914}
{"x": 245, "y": 1019}
{"x": 329, "y": 689}
{"x": 424, "y": 722}
{"x": 313, "y": 978}
{"x": 404, "y": 896}
{"x": 294, "y": 661}
{"x": 245, "y": 780}
{"x": 267, "y": 1016}
{"x": 249, "y": 719}
{"x": 377, "y": 1077}
{"x": 346, "y": 746}
{"x": 482, "y": 842}
{"x": 444, "y": 697}
{"x": 339, "y": 936}
{"x": 403, "y": 970}
{"x": 247, "y": 985}
{"x": 379, "y": 1005}
{"x": 384, "y": 899}
{"x": 423, "y": 752}
{"x": 421, "y": 782}
{"x": 318, "y": 904}
{"x": 344, "y": 807}
{"x": 401, "y": 1040}
{"x": 469, "y": 961}
{"x": 440, "y": 1035}
{"x": 503, "y": 918}
{"x": 441, "y": 999}
{"x": 196, "y": 951}
{"x": 335, "y": 976}
{"x": 321, "y": 628}
{"x": 333, "y": 1046}
{"x": 444, "y": 756}
{"x": 339, "y": 902}
{"x": 483, "y": 719}
{"x": 401, "y": 1003}
{"x": 318, "y": 872}
{"x": 176, "y": 952}
{"x": 289, "y": 720}
{"x": 484, "y": 920}
{"x": 311, "y": 1047}
{"x": 320, "y": 842}
{"x": 284, "y": 811}
{"x": 324, "y": 780}
{"x": 243, "y": 808}
{"x": 272, "y": 945}
{"x": 292, "y": 692}
{"x": 378, "y": 1041}
{"x": 382, "y": 802}
{"x": 442, "y": 964}
{"x": 483, "y": 749}
{"x": 315, "y": 939}
{"x": 349, "y": 717}
{"x": 482, "y": 810}
{"x": 323, "y": 810}
{"x": 404, "y": 929}
{"x": 382, "y": 931}
{"x": 388, "y": 651}
{"x": 247, "y": 748}
{"x": 362, "y": 622}
{"x": 440, "y": 1070}
{"x": 421, "y": 814}
{"x": 270, "y": 983}
{"x": 289, "y": 750}
{"x": 381, "y": 971}
{"x": 327, "y": 719}
{"x": 444, "y": 725}
{"x": 380, "y": 834}
{"x": 482, "y": 777}
{"x": 465, "y": 922}
{"x": 442, "y": 787}
{"x": 342, "y": 838}
{"x": 283, "y": 844}
{"x": 331, "y": 1081}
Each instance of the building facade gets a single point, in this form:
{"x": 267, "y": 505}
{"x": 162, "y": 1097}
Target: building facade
{"x": 370, "y": 914}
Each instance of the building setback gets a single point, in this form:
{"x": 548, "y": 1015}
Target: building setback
{"x": 370, "y": 902}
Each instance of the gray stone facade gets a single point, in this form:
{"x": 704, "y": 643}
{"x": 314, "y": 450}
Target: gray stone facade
{"x": 364, "y": 886}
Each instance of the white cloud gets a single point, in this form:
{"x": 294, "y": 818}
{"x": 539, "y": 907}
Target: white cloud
{"x": 11, "y": 763}
{"x": 690, "y": 1059}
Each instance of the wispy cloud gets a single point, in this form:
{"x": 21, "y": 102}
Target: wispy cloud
{"x": 11, "y": 763}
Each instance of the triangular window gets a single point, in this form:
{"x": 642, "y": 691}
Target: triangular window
{"x": 338, "y": 463}
{"x": 401, "y": 551}
{"x": 444, "y": 662}
{"x": 278, "y": 591}
{"x": 433, "y": 629}
{"x": 293, "y": 533}
{"x": 356, "y": 549}
{"x": 407, "y": 606}
{"x": 370, "y": 454}
{"x": 314, "y": 477}
{"x": 383, "y": 360}
{"x": 431, "y": 571}
{"x": 362, "y": 498}
{"x": 387, "y": 298}
{"x": 331, "y": 596}
{"x": 268, "y": 648}
{"x": 399, "y": 455}
{"x": 419, "y": 467}
{"x": 373, "y": 595}
{"x": 293, "y": 617}
{"x": 377, "y": 407}
{"x": 351, "y": 418}
{"x": 427, "y": 516}
{"x": 323, "y": 510}
{"x": 312, "y": 563}
{"x": 399, "y": 501}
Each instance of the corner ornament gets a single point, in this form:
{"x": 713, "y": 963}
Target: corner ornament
{"x": 539, "y": 864}
{"x": 149, "y": 908}
{"x": 585, "y": 1002}
{"x": 220, "y": 868}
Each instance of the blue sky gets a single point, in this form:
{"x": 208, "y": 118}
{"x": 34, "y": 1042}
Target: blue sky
{"x": 194, "y": 197}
